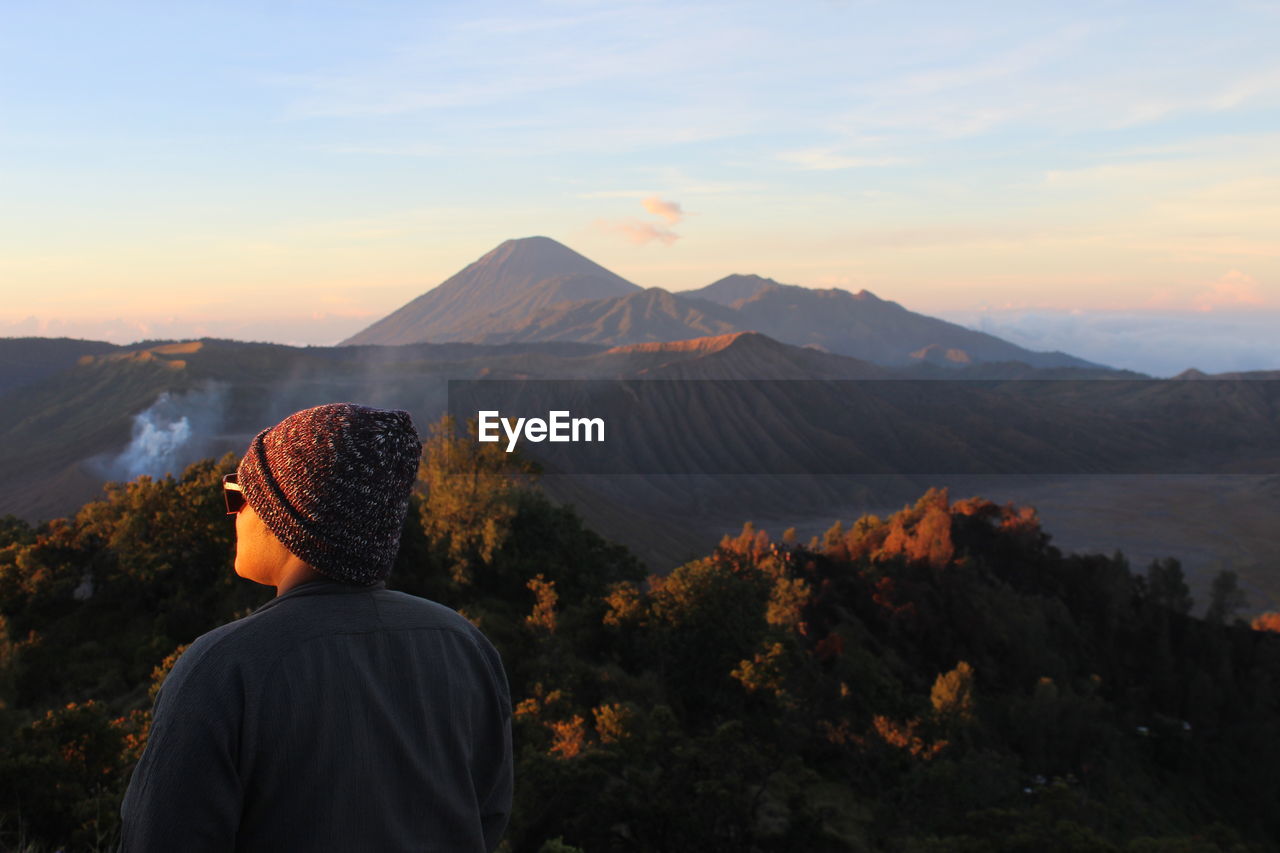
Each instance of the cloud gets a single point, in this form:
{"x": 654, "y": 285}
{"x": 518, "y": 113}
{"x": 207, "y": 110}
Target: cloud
{"x": 1234, "y": 290}
{"x": 640, "y": 233}
{"x": 1160, "y": 343}
{"x": 313, "y": 328}
{"x": 827, "y": 159}
{"x": 615, "y": 194}
{"x": 668, "y": 210}
{"x": 397, "y": 150}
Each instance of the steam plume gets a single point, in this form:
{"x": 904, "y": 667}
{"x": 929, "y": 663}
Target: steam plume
{"x": 173, "y": 432}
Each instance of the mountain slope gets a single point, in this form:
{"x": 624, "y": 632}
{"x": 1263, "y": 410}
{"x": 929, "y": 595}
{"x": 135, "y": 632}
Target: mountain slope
{"x": 644, "y": 315}
{"x": 491, "y": 284}
{"x": 863, "y": 325}
{"x": 738, "y": 356}
{"x": 27, "y": 360}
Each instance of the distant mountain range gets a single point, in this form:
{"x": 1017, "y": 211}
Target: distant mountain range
{"x": 536, "y": 289}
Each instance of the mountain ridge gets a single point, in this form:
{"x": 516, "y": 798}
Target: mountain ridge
{"x": 535, "y": 289}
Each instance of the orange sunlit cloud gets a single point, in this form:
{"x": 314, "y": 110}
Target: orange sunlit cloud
{"x": 668, "y": 210}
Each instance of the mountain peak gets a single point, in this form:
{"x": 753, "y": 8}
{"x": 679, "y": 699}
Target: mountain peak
{"x": 732, "y": 288}
{"x": 503, "y": 276}
{"x": 528, "y": 260}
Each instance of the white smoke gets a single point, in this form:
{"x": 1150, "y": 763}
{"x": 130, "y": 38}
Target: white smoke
{"x": 171, "y": 433}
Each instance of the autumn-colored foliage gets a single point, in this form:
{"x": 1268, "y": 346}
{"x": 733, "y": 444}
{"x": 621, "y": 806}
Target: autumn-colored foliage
{"x": 952, "y": 695}
{"x": 1267, "y": 622}
{"x": 903, "y": 735}
{"x": 544, "y": 603}
{"x": 470, "y": 494}
{"x": 921, "y": 534}
{"x": 568, "y": 737}
{"x": 614, "y": 721}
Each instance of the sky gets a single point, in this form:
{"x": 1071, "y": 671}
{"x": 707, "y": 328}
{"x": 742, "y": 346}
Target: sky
{"x": 292, "y": 171}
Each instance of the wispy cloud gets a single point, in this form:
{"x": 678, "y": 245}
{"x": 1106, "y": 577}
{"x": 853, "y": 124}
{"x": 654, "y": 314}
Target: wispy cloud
{"x": 827, "y": 159}
{"x": 983, "y": 71}
{"x": 412, "y": 149}
{"x": 668, "y": 210}
{"x": 676, "y": 181}
{"x": 616, "y": 194}
{"x": 639, "y": 233}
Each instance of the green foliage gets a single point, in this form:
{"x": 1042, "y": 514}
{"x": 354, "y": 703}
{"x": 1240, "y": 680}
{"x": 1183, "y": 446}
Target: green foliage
{"x": 15, "y": 531}
{"x": 93, "y": 603}
{"x": 63, "y": 774}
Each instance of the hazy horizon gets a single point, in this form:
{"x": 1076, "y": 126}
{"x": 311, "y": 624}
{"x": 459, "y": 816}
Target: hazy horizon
{"x": 1158, "y": 343}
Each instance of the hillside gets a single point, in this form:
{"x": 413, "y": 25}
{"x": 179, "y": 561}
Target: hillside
{"x": 24, "y": 361}
{"x": 938, "y": 679}
{"x": 638, "y": 317}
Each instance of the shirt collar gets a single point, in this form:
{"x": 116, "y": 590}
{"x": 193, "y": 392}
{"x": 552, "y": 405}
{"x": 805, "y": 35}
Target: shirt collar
{"x": 322, "y": 586}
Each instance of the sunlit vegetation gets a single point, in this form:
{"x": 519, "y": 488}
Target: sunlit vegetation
{"x": 943, "y": 679}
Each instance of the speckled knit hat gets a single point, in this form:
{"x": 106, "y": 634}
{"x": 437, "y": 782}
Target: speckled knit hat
{"x": 332, "y": 483}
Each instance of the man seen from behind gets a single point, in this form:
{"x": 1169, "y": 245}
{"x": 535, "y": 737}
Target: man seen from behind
{"x": 339, "y": 716}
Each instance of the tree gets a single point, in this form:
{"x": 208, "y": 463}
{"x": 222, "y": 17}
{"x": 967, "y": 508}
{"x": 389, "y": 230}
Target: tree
{"x": 1167, "y": 587}
{"x": 470, "y": 495}
{"x": 1226, "y": 598}
{"x": 952, "y": 694}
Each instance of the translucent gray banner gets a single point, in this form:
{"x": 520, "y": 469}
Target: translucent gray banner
{"x": 879, "y": 427}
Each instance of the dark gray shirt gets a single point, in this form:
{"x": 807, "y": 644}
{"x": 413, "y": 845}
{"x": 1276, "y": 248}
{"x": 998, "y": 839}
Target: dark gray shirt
{"x": 333, "y": 718}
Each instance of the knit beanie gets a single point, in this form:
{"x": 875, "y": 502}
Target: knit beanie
{"x": 332, "y": 483}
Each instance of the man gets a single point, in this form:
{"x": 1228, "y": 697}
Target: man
{"x": 339, "y": 715}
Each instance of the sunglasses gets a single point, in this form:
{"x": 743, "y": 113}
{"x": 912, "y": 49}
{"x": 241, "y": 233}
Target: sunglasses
{"x": 233, "y": 494}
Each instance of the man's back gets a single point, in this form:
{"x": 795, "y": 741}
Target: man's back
{"x": 335, "y": 717}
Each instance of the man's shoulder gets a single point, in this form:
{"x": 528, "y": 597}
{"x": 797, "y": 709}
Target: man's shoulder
{"x": 401, "y": 610}
{"x": 234, "y": 640}
{"x": 323, "y": 611}
{"x": 245, "y": 651}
